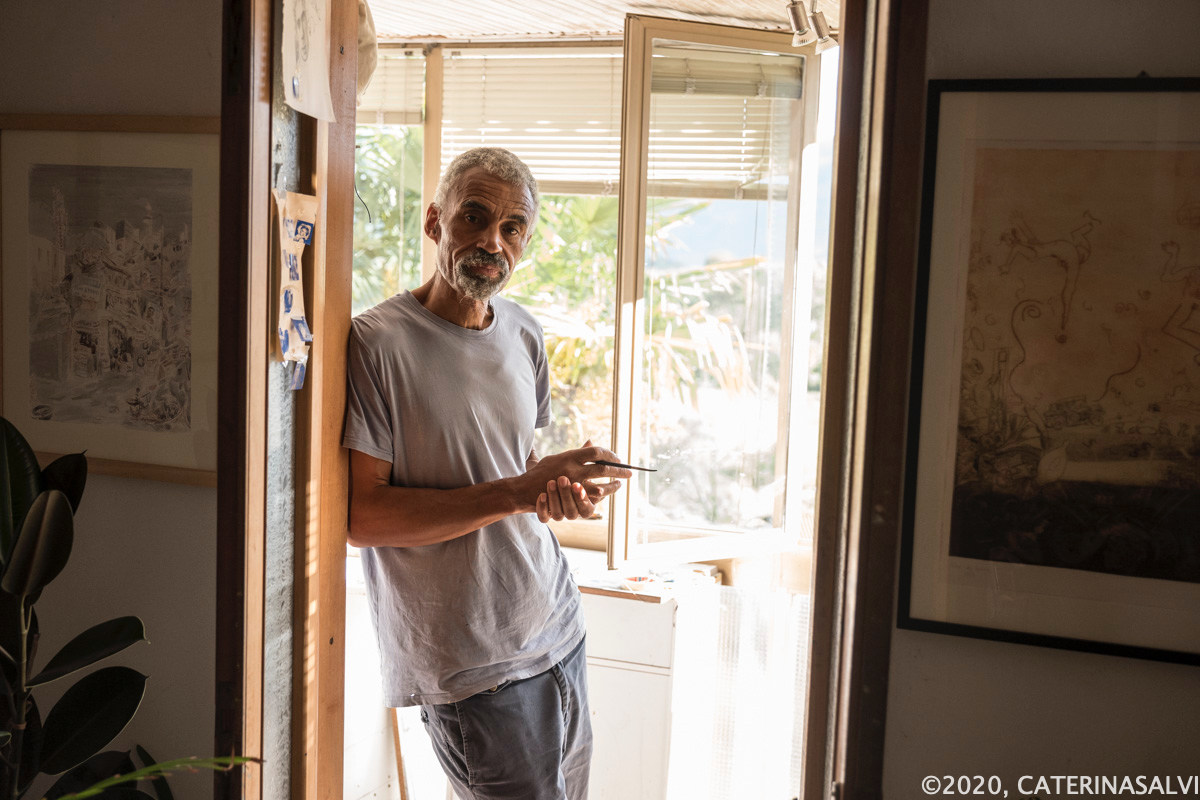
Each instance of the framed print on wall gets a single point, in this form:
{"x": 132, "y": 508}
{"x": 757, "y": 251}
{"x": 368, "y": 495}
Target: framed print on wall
{"x": 109, "y": 254}
{"x": 1053, "y": 476}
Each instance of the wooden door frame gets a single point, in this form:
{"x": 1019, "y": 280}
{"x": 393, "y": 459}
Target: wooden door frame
{"x": 242, "y": 354}
{"x": 873, "y": 257}
{"x": 877, "y": 162}
{"x": 244, "y": 351}
{"x": 323, "y": 467}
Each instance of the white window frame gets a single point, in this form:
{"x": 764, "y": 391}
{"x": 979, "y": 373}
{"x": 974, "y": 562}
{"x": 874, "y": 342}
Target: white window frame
{"x": 640, "y": 32}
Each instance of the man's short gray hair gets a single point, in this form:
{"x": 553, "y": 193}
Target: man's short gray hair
{"x": 493, "y": 160}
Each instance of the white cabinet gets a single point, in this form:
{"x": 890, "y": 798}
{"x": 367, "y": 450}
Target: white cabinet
{"x": 630, "y": 654}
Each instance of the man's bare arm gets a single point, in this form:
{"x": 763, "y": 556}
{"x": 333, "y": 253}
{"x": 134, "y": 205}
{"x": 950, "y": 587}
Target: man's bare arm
{"x": 382, "y": 515}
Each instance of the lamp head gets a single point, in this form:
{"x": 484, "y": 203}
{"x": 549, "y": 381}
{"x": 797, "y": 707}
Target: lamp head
{"x": 820, "y": 26}
{"x": 798, "y": 15}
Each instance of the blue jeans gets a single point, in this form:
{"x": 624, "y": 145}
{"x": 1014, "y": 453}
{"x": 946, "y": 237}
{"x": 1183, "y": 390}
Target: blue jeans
{"x": 529, "y": 739}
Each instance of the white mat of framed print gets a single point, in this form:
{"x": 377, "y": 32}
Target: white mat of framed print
{"x": 1053, "y": 480}
{"x": 110, "y": 294}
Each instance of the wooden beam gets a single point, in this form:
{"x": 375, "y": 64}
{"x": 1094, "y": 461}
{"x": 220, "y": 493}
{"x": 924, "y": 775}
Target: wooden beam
{"x": 241, "y": 391}
{"x": 323, "y": 466}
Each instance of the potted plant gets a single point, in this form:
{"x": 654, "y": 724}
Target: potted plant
{"x": 37, "y": 508}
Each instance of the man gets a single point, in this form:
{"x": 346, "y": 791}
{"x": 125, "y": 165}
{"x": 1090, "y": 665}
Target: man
{"x": 478, "y": 620}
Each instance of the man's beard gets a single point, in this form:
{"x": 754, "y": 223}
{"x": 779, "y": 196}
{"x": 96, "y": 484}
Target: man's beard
{"x": 481, "y": 287}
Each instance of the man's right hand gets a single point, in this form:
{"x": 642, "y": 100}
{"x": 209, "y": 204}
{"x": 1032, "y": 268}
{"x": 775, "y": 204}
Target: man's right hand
{"x": 578, "y": 467}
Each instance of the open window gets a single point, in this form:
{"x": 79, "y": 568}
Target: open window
{"x": 718, "y": 336}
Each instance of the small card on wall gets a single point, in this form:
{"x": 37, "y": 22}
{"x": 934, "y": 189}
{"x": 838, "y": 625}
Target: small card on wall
{"x": 297, "y": 221}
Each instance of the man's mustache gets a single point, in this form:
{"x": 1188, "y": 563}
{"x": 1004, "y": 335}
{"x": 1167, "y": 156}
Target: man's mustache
{"x": 483, "y": 258}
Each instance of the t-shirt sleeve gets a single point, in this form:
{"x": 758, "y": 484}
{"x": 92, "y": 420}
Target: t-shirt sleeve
{"x": 368, "y": 427}
{"x": 542, "y": 381}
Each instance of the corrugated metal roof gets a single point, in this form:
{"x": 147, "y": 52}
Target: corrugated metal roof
{"x": 497, "y": 20}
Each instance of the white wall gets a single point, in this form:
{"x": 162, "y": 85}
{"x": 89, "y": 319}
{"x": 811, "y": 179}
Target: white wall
{"x": 965, "y": 706}
{"x": 141, "y": 547}
{"x": 112, "y": 57}
{"x": 147, "y": 549}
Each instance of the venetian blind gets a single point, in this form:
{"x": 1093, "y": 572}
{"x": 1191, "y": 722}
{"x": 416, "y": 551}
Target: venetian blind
{"x": 558, "y": 109}
{"x": 712, "y": 116}
{"x": 394, "y": 95}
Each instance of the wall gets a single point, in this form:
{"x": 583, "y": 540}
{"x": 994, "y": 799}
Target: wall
{"x": 141, "y": 547}
{"x": 964, "y": 706}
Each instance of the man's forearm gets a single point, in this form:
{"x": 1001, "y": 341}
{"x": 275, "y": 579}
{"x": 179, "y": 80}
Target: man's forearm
{"x": 396, "y": 516}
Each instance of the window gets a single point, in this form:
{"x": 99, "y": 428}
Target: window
{"x": 387, "y": 180}
{"x": 715, "y": 312}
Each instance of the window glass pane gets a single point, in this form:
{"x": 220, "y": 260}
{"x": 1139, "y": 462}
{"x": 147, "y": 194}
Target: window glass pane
{"x": 387, "y": 213}
{"x": 712, "y": 403}
{"x": 568, "y": 281}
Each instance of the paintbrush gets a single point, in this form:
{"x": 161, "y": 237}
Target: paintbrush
{"x": 624, "y": 466}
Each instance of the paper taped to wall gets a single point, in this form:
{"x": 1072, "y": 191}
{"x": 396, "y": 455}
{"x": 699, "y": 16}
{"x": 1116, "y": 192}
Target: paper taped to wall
{"x": 306, "y": 57}
{"x": 297, "y": 222}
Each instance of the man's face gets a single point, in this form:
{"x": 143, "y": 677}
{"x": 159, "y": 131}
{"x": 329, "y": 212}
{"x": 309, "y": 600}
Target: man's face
{"x": 481, "y": 233}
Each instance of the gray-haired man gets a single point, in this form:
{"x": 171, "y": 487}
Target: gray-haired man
{"x": 478, "y": 620}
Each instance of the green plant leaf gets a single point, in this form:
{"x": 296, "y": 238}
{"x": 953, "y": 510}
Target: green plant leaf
{"x": 43, "y": 547}
{"x": 90, "y": 715}
{"x": 5, "y": 738}
{"x": 94, "y": 644}
{"x": 68, "y": 474}
{"x": 159, "y": 782}
{"x": 95, "y": 769}
{"x": 20, "y": 483}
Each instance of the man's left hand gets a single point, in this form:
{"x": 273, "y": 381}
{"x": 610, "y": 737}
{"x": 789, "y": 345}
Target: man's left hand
{"x": 565, "y": 500}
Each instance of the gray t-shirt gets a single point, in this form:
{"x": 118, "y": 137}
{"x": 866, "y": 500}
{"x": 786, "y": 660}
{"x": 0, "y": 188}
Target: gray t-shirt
{"x": 451, "y": 407}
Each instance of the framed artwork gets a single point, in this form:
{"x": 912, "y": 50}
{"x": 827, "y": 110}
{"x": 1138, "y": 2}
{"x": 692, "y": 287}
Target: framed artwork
{"x": 1053, "y": 475}
{"x": 109, "y": 251}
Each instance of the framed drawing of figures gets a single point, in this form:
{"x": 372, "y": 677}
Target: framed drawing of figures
{"x": 110, "y": 294}
{"x": 1053, "y": 476}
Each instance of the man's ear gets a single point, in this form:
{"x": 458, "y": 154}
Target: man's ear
{"x": 433, "y": 222}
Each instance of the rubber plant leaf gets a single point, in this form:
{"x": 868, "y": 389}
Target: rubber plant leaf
{"x": 68, "y": 474}
{"x": 21, "y": 482}
{"x": 95, "y": 769}
{"x": 43, "y": 547}
{"x": 161, "y": 787}
{"x": 89, "y": 716}
{"x": 95, "y": 644}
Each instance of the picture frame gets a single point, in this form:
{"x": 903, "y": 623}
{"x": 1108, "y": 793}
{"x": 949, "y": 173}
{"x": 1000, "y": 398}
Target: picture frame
{"x": 108, "y": 250}
{"x": 1052, "y": 482}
